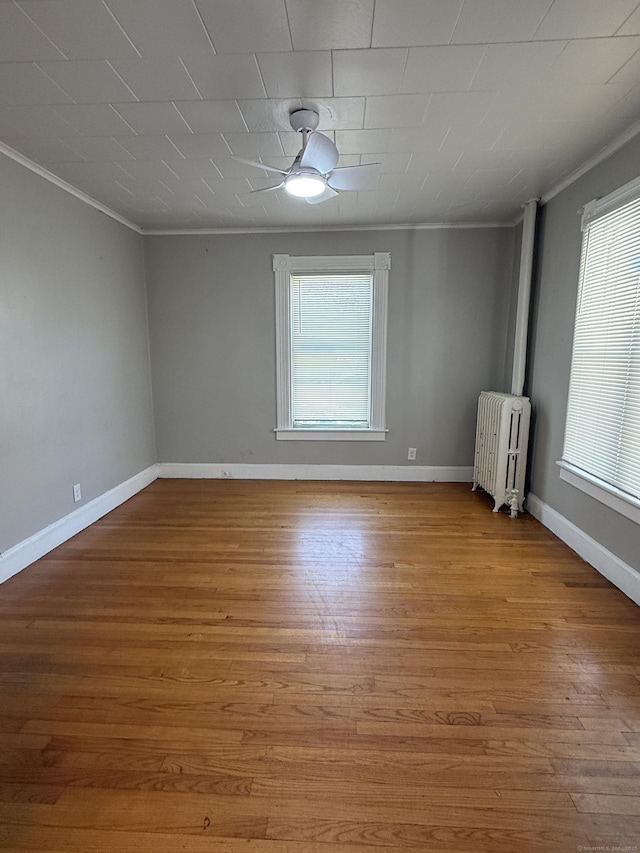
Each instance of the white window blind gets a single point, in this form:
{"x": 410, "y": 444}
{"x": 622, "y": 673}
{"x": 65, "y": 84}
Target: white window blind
{"x": 602, "y": 436}
{"x": 331, "y": 335}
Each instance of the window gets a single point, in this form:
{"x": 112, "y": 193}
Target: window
{"x": 602, "y": 438}
{"x": 331, "y": 328}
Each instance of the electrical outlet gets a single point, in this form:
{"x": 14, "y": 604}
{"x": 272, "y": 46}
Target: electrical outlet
{"x": 411, "y": 455}
{"x": 227, "y": 475}
{"x": 77, "y": 493}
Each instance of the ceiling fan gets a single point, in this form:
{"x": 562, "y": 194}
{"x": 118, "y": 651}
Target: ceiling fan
{"x": 313, "y": 174}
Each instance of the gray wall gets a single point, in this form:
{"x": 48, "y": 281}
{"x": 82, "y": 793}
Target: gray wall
{"x": 554, "y": 305}
{"x": 74, "y": 361}
{"x": 211, "y": 310}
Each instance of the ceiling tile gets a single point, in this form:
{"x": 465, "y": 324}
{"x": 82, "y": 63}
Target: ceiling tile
{"x": 330, "y": 25}
{"x": 631, "y": 26}
{"x": 160, "y": 28}
{"x": 409, "y": 183}
{"x": 395, "y": 110}
{"x": 572, "y": 19}
{"x": 626, "y": 110}
{"x": 414, "y": 22}
{"x": 538, "y": 135}
{"x": 212, "y": 116}
{"x": 389, "y": 163}
{"x": 157, "y": 79}
{"x": 592, "y": 61}
{"x": 517, "y": 191}
{"x": 340, "y": 113}
{"x": 481, "y": 178}
{"x": 225, "y": 77}
{"x": 148, "y": 147}
{"x": 153, "y": 118}
{"x": 297, "y": 75}
{"x": 21, "y": 40}
{"x": 190, "y": 172}
{"x": 457, "y": 109}
{"x": 459, "y": 139}
{"x": 200, "y": 146}
{"x": 88, "y": 82}
{"x": 149, "y": 170}
{"x": 271, "y": 114}
{"x": 368, "y": 72}
{"x": 35, "y": 121}
{"x": 8, "y": 131}
{"x": 24, "y": 83}
{"x": 254, "y": 144}
{"x": 97, "y": 148}
{"x": 362, "y": 141}
{"x": 486, "y": 21}
{"x": 94, "y": 119}
{"x": 629, "y": 72}
{"x": 441, "y": 69}
{"x": 233, "y": 170}
{"x": 82, "y": 29}
{"x": 484, "y": 159}
{"x": 238, "y": 26}
{"x": 570, "y": 103}
{"x": 87, "y": 173}
{"x": 44, "y": 150}
{"x": 417, "y": 139}
{"x": 513, "y": 65}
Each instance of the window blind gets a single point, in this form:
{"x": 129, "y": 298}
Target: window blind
{"x": 331, "y": 332}
{"x": 602, "y": 434}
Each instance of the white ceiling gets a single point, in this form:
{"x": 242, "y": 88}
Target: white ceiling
{"x": 471, "y": 106}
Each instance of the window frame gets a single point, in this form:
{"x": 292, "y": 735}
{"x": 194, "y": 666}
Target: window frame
{"x": 606, "y": 493}
{"x": 284, "y": 266}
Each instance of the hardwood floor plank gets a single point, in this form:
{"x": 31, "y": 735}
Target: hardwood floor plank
{"x": 291, "y": 667}
{"x": 607, "y": 804}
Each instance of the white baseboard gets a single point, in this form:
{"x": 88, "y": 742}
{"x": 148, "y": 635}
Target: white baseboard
{"x": 390, "y": 473}
{"x": 28, "y": 551}
{"x": 613, "y": 568}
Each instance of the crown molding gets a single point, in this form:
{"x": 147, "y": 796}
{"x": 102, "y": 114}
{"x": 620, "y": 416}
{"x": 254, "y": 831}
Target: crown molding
{"x": 626, "y": 136}
{"x": 12, "y": 154}
{"x": 292, "y": 229}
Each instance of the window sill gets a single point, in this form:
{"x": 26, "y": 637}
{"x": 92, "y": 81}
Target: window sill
{"x": 610, "y": 496}
{"x": 331, "y": 434}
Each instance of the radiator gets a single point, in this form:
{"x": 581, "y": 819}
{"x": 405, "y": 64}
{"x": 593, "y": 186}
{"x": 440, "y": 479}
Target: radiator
{"x": 502, "y": 437}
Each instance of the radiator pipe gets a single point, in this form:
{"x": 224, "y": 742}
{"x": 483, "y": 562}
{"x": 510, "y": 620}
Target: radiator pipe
{"x": 524, "y": 297}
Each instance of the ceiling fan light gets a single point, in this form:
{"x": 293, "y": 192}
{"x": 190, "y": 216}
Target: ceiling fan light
{"x": 305, "y": 184}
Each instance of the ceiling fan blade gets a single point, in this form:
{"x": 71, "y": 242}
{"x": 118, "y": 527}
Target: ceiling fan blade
{"x": 267, "y": 189}
{"x": 325, "y": 196}
{"x": 258, "y": 164}
{"x": 320, "y": 153}
{"x": 355, "y": 177}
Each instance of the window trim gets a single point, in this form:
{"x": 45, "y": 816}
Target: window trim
{"x": 615, "y": 498}
{"x": 379, "y": 263}
{"x": 609, "y": 495}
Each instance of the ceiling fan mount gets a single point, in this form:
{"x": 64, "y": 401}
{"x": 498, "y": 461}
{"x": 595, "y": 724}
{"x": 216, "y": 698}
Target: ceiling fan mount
{"x": 314, "y": 174}
{"x": 304, "y": 120}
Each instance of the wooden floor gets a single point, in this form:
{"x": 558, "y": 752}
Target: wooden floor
{"x": 317, "y": 668}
